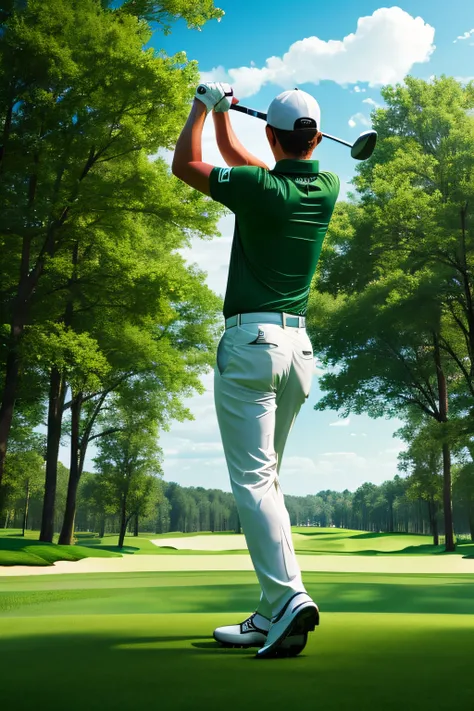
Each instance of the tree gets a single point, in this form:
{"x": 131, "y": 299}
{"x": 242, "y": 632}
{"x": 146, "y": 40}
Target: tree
{"x": 129, "y": 455}
{"x": 464, "y": 488}
{"x": 395, "y": 313}
{"x": 96, "y": 500}
{"x": 24, "y": 466}
{"x": 82, "y": 105}
{"x": 162, "y": 332}
{"x": 423, "y": 460}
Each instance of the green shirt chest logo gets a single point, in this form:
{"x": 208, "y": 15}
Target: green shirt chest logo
{"x": 305, "y": 180}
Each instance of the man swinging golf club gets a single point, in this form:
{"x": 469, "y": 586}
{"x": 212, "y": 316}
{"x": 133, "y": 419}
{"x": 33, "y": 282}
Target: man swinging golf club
{"x": 264, "y": 359}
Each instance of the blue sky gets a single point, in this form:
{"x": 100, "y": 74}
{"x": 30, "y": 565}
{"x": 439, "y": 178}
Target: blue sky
{"x": 250, "y": 32}
{"x": 344, "y": 73}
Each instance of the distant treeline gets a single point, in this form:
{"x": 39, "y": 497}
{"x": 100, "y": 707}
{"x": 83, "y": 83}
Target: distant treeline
{"x": 392, "y": 506}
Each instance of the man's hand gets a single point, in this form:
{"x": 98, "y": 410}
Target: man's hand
{"x": 215, "y": 95}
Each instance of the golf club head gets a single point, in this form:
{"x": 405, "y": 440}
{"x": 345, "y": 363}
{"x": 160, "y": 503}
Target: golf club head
{"x": 364, "y": 145}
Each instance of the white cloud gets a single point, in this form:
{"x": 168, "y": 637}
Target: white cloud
{"x": 212, "y": 256}
{"x": 183, "y": 447}
{"x": 371, "y": 102}
{"x": 347, "y": 459}
{"x": 299, "y": 464}
{"x": 382, "y": 50}
{"x": 358, "y": 90}
{"x": 217, "y": 74}
{"x": 464, "y": 80}
{"x": 395, "y": 450}
{"x": 465, "y": 36}
{"x": 360, "y": 119}
{"x": 341, "y": 423}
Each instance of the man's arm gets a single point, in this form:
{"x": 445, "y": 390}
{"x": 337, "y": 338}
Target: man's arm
{"x": 229, "y": 145}
{"x": 187, "y": 161}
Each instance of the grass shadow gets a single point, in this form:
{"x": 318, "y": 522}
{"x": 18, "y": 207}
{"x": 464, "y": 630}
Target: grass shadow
{"x": 129, "y": 668}
{"x": 130, "y": 550}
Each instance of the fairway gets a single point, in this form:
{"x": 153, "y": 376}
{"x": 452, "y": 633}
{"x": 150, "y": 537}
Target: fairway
{"x": 397, "y": 625}
{"x": 126, "y": 641}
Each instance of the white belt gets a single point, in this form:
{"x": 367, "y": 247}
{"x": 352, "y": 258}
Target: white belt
{"x": 282, "y": 319}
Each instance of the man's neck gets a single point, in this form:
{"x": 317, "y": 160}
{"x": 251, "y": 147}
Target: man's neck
{"x": 286, "y": 156}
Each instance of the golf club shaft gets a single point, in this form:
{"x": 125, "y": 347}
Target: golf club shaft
{"x": 261, "y": 115}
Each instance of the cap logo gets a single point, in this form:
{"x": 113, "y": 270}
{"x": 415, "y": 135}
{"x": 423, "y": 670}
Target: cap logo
{"x": 305, "y": 123}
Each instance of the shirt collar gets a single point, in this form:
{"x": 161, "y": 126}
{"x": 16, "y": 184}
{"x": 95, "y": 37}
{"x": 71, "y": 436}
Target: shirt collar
{"x": 293, "y": 165}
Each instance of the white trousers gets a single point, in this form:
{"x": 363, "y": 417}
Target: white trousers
{"x": 262, "y": 377}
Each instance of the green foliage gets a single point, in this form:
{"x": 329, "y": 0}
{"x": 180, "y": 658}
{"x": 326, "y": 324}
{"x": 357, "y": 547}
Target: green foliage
{"x": 91, "y": 216}
{"x": 195, "y": 12}
{"x": 395, "y": 322}
{"x": 83, "y": 107}
{"x": 394, "y": 289}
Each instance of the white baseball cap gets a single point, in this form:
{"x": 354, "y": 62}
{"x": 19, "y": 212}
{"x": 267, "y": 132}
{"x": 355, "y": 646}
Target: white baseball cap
{"x": 294, "y": 109}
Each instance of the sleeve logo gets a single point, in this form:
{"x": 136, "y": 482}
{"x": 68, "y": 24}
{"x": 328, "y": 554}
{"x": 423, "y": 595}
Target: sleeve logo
{"x": 224, "y": 175}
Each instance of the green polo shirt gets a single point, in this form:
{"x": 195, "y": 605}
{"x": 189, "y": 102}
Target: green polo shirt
{"x": 281, "y": 219}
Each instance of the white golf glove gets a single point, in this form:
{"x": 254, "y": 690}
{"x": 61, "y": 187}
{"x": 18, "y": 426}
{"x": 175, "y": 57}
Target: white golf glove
{"x": 215, "y": 95}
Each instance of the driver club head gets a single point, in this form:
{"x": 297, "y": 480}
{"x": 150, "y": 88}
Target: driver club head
{"x": 364, "y": 146}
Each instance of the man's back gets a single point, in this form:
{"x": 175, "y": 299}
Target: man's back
{"x": 282, "y": 218}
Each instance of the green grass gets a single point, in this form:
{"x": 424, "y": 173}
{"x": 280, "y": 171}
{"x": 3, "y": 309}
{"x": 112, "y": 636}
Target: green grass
{"x": 144, "y": 640}
{"x": 14, "y": 550}
{"x": 158, "y": 593}
{"x": 316, "y": 541}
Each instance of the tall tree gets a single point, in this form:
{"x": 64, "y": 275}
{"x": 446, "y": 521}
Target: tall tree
{"x": 81, "y": 106}
{"x": 423, "y": 461}
{"x": 397, "y": 266}
{"x": 128, "y": 461}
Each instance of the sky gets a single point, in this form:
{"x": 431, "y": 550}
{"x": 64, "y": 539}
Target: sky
{"x": 341, "y": 52}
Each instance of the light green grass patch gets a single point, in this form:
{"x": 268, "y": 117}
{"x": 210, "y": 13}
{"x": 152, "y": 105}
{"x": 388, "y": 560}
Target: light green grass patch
{"x": 16, "y": 550}
{"x": 145, "y": 593}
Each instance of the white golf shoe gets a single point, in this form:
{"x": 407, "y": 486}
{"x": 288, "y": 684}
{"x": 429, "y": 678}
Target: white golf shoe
{"x": 297, "y": 617}
{"x": 252, "y": 632}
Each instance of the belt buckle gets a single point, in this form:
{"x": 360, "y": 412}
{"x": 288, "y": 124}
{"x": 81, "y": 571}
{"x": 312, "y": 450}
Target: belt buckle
{"x": 286, "y": 318}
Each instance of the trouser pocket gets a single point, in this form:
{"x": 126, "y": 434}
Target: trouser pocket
{"x": 224, "y": 352}
{"x": 234, "y": 343}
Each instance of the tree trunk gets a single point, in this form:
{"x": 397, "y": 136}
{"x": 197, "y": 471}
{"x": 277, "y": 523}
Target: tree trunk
{"x": 66, "y": 537}
{"x": 447, "y": 483}
{"x": 27, "y": 503}
{"x": 390, "y": 523}
{"x": 102, "y": 526}
{"x": 434, "y": 528}
{"x": 450, "y": 545}
{"x": 433, "y": 516}
{"x": 6, "y": 132}
{"x": 135, "y": 527}
{"x": 123, "y": 522}
{"x": 471, "y": 521}
{"x": 7, "y": 407}
{"x": 26, "y": 285}
{"x": 7, "y": 519}
{"x": 57, "y": 394}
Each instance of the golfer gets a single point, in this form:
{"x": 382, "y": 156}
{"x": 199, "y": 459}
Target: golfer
{"x": 264, "y": 359}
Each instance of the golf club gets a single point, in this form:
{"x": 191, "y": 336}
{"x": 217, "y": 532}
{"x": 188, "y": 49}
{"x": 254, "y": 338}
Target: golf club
{"x": 361, "y": 149}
